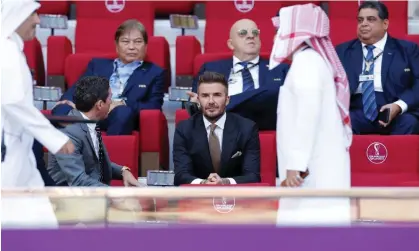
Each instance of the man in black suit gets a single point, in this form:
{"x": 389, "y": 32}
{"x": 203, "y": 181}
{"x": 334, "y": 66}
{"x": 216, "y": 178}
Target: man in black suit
{"x": 215, "y": 147}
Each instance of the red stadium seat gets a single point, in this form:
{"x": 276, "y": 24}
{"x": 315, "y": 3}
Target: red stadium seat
{"x": 220, "y": 16}
{"x": 35, "y": 59}
{"x": 189, "y": 47}
{"x": 96, "y": 26}
{"x": 123, "y": 150}
{"x": 385, "y": 160}
{"x": 343, "y": 22}
{"x": 267, "y": 151}
{"x": 61, "y": 7}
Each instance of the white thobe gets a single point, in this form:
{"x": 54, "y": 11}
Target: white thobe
{"x": 310, "y": 134}
{"x": 21, "y": 123}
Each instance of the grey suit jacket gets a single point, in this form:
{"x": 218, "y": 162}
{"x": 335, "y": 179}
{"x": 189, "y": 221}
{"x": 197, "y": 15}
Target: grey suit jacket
{"x": 82, "y": 167}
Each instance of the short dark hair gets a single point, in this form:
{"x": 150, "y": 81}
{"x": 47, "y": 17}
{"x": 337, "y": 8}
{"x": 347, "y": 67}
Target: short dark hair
{"x": 376, "y": 5}
{"x": 89, "y": 90}
{"x": 212, "y": 77}
{"x": 129, "y": 25}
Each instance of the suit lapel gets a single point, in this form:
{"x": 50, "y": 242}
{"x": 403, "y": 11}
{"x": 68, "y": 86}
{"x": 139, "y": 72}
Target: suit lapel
{"x": 108, "y": 69}
{"x": 229, "y": 143}
{"x": 356, "y": 59}
{"x": 201, "y": 143}
{"x": 263, "y": 71}
{"x": 86, "y": 130}
{"x": 226, "y": 68}
{"x": 388, "y": 54}
{"x": 135, "y": 78}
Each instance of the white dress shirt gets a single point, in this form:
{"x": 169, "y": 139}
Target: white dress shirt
{"x": 235, "y": 80}
{"x": 93, "y": 134}
{"x": 378, "y": 85}
{"x": 219, "y": 132}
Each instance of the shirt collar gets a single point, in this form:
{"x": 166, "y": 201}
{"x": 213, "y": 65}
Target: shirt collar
{"x": 18, "y": 40}
{"x": 135, "y": 64}
{"x": 380, "y": 44}
{"x": 91, "y": 126}
{"x": 220, "y": 122}
{"x": 236, "y": 61}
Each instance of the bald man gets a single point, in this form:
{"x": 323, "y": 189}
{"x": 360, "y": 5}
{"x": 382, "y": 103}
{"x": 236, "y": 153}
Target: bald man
{"x": 253, "y": 88}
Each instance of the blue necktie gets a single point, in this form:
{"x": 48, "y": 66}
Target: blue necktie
{"x": 248, "y": 83}
{"x": 368, "y": 94}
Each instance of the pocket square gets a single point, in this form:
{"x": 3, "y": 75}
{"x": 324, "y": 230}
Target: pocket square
{"x": 237, "y": 154}
{"x": 142, "y": 86}
{"x": 277, "y": 79}
{"x": 406, "y": 69}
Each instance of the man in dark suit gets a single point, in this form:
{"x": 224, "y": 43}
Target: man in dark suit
{"x": 89, "y": 165}
{"x": 136, "y": 84}
{"x": 253, "y": 89}
{"x": 383, "y": 73}
{"x": 216, "y": 147}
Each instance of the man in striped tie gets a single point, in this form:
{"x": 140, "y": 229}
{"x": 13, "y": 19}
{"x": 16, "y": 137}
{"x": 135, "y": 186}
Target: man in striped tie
{"x": 252, "y": 87}
{"x": 383, "y": 75}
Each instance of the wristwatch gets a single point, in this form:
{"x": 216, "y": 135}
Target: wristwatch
{"x": 125, "y": 168}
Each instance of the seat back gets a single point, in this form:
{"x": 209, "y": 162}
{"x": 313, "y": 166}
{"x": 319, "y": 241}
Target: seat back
{"x": 384, "y": 160}
{"x": 123, "y": 150}
{"x": 61, "y": 7}
{"x": 35, "y": 60}
{"x": 97, "y": 22}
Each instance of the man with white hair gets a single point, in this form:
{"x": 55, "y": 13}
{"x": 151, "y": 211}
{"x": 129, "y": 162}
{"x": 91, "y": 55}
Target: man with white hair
{"x": 313, "y": 128}
{"x": 21, "y": 122}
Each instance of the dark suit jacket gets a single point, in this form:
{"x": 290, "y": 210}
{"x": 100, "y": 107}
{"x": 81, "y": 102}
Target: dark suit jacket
{"x": 399, "y": 70}
{"x": 82, "y": 167}
{"x": 259, "y": 105}
{"x": 192, "y": 158}
{"x": 144, "y": 89}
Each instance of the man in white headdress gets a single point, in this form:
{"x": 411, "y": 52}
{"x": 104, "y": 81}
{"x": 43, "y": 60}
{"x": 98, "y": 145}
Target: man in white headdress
{"x": 313, "y": 125}
{"x": 21, "y": 122}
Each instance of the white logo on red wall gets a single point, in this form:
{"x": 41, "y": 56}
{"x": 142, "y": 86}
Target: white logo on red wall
{"x": 377, "y": 153}
{"x": 224, "y": 205}
{"x": 115, "y": 6}
{"x": 244, "y": 5}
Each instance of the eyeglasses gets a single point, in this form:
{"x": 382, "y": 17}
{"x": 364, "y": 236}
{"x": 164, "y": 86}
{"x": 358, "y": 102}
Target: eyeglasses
{"x": 244, "y": 32}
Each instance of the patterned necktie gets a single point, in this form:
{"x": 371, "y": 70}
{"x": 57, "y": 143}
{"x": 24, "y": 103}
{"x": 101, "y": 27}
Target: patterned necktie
{"x": 214, "y": 147}
{"x": 101, "y": 154}
{"x": 368, "y": 95}
{"x": 248, "y": 83}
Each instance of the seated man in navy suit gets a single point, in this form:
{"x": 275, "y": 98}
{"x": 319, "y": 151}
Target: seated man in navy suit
{"x": 383, "y": 73}
{"x": 215, "y": 147}
{"x": 253, "y": 89}
{"x": 136, "y": 84}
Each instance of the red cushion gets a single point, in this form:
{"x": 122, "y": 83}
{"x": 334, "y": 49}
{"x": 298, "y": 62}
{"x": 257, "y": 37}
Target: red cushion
{"x": 59, "y": 48}
{"x": 178, "y": 7}
{"x": 268, "y": 157}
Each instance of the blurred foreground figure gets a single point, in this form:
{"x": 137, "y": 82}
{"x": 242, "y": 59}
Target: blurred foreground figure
{"x": 313, "y": 125}
{"x": 21, "y": 122}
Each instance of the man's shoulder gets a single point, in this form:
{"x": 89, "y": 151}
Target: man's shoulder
{"x": 345, "y": 45}
{"x": 152, "y": 67}
{"x": 217, "y": 64}
{"x": 241, "y": 122}
{"x": 406, "y": 44}
{"x": 101, "y": 61}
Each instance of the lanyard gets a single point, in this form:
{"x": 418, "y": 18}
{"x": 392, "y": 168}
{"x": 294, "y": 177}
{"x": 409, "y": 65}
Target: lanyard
{"x": 249, "y": 68}
{"x": 369, "y": 63}
{"x": 118, "y": 79}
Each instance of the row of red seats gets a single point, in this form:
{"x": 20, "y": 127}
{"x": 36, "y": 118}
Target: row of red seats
{"x": 376, "y": 161}
{"x": 62, "y": 7}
